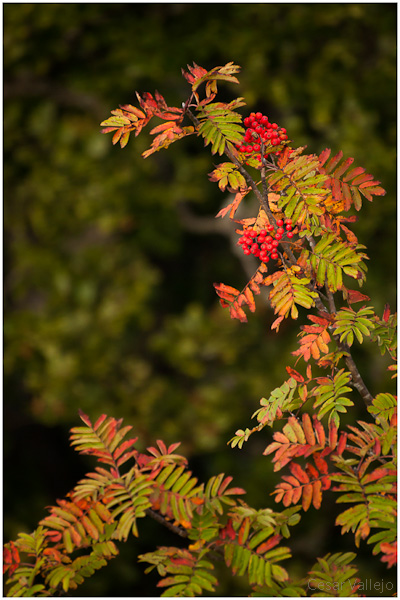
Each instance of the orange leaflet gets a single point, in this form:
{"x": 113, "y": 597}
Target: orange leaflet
{"x": 312, "y": 471}
{"x": 232, "y": 207}
{"x": 226, "y": 292}
{"x": 295, "y": 374}
{"x": 353, "y": 296}
{"x": 271, "y": 543}
{"x": 244, "y": 531}
{"x": 249, "y": 298}
{"x": 307, "y": 496}
{"x": 308, "y": 429}
{"x": 299, "y": 473}
{"x": 237, "y": 312}
{"x": 195, "y": 72}
{"x": 317, "y": 495}
{"x": 319, "y": 430}
{"x": 333, "y": 437}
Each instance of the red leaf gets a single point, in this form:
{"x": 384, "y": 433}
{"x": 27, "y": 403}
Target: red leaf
{"x": 237, "y": 312}
{"x": 334, "y": 161}
{"x": 307, "y": 496}
{"x": 85, "y": 418}
{"x": 277, "y": 322}
{"x": 343, "y": 167}
{"x": 317, "y": 496}
{"x": 321, "y": 464}
{"x": 354, "y": 296}
{"x": 333, "y": 431}
{"x": 319, "y": 430}
{"x": 99, "y": 421}
{"x": 295, "y": 374}
{"x": 323, "y": 157}
{"x": 353, "y": 173}
{"x": 390, "y": 551}
{"x": 298, "y": 472}
{"x": 271, "y": 543}
{"x": 386, "y": 313}
{"x": 308, "y": 429}
{"x": 226, "y": 292}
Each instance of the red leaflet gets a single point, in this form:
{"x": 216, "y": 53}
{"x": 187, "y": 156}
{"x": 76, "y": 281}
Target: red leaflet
{"x": 195, "y": 72}
{"x": 299, "y": 473}
{"x": 308, "y": 429}
{"x": 319, "y": 430}
{"x": 295, "y": 374}
{"x": 386, "y": 313}
{"x": 226, "y": 292}
{"x": 307, "y": 496}
{"x": 271, "y": 543}
{"x": 317, "y": 494}
{"x": 233, "y": 206}
{"x": 390, "y": 552}
{"x": 353, "y": 296}
{"x": 333, "y": 437}
{"x": 342, "y": 443}
{"x": 321, "y": 464}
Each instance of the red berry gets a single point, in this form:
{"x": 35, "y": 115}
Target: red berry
{"x": 280, "y": 230}
{"x": 258, "y": 116}
{"x": 247, "y": 251}
{"x": 275, "y": 243}
{"x": 274, "y": 126}
{"x": 279, "y": 222}
{"x": 288, "y": 227}
{"x": 288, "y": 221}
{"x": 278, "y": 236}
{"x": 264, "y": 120}
{"x": 270, "y": 227}
{"x": 290, "y": 234}
{"x": 274, "y": 256}
{"x": 256, "y": 147}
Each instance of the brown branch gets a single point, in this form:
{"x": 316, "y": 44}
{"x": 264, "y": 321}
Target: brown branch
{"x": 357, "y": 380}
{"x": 160, "y": 519}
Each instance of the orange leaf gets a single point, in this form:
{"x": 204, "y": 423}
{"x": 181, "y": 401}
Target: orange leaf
{"x": 298, "y": 472}
{"x": 90, "y": 528}
{"x": 317, "y": 495}
{"x": 244, "y": 531}
{"x": 307, "y": 496}
{"x": 308, "y": 429}
{"x": 319, "y": 430}
{"x": 295, "y": 374}
{"x": 271, "y": 543}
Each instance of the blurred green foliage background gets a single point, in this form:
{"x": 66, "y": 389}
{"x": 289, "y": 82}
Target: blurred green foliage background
{"x": 109, "y": 259}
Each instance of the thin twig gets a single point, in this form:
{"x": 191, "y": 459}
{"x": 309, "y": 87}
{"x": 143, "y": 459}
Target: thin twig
{"x": 160, "y": 519}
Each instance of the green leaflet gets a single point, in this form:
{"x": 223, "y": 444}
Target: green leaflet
{"x": 349, "y": 323}
{"x": 219, "y": 125}
{"x": 330, "y": 397}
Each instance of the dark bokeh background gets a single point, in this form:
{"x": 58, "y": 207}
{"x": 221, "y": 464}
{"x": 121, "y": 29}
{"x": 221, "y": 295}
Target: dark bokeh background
{"x": 109, "y": 259}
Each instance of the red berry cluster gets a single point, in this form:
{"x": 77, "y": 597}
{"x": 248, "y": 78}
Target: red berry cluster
{"x": 264, "y": 244}
{"x": 261, "y": 133}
